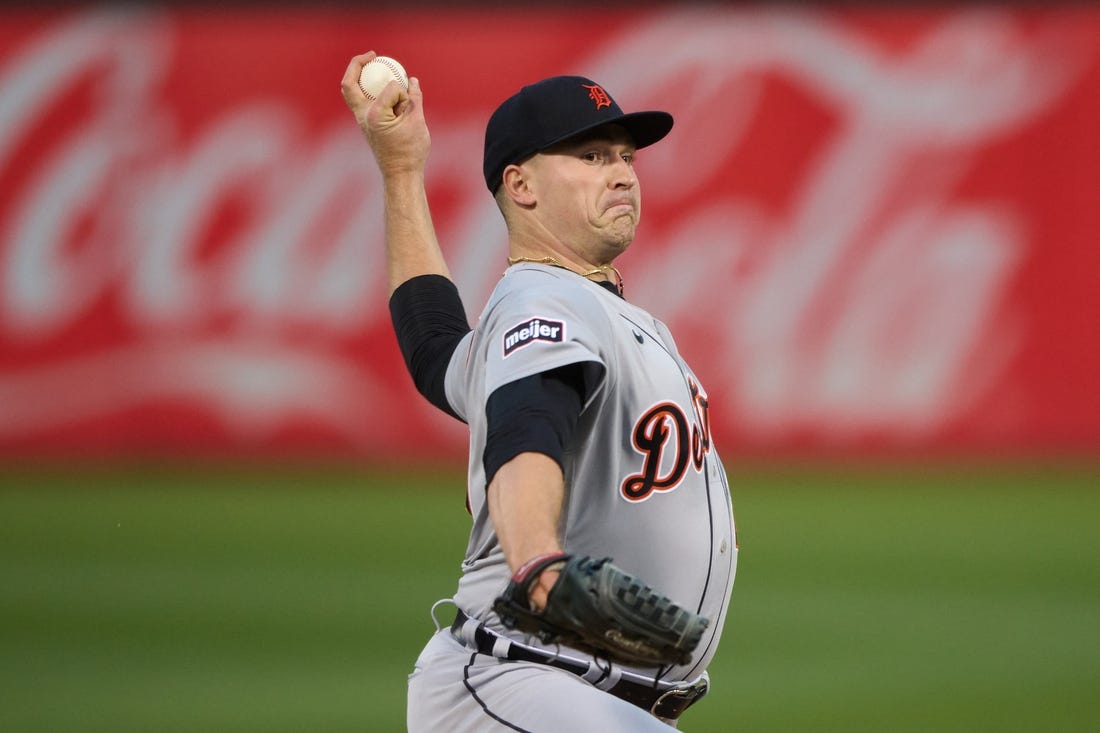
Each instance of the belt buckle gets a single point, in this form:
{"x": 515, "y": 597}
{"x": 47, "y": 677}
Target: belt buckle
{"x": 672, "y": 703}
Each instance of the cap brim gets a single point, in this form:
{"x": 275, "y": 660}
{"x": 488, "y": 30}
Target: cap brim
{"x": 645, "y": 128}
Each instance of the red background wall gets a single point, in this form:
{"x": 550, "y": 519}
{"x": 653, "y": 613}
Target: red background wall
{"x": 874, "y": 231}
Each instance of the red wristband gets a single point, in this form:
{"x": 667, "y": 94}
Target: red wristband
{"x": 539, "y": 562}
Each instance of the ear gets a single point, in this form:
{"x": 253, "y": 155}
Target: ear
{"x": 517, "y": 185}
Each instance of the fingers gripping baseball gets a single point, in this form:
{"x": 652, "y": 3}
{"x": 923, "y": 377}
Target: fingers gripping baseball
{"x": 393, "y": 124}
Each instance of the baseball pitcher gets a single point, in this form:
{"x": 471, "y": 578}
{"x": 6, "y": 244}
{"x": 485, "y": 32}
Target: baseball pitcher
{"x": 602, "y": 552}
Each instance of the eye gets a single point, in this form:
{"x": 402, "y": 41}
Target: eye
{"x": 629, "y": 158}
{"x": 592, "y": 156}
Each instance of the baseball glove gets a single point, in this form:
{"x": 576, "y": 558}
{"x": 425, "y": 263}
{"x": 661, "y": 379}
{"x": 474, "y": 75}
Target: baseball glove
{"x": 597, "y": 608}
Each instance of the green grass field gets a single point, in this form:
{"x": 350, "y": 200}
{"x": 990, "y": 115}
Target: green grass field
{"x": 922, "y": 598}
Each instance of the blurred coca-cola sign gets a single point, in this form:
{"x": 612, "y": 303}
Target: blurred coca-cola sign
{"x": 870, "y": 230}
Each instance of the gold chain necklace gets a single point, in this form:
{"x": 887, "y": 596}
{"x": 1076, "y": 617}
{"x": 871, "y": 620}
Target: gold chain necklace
{"x": 601, "y": 270}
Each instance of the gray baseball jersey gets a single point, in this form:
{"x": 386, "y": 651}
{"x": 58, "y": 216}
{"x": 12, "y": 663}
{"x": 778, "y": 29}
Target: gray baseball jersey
{"x": 644, "y": 484}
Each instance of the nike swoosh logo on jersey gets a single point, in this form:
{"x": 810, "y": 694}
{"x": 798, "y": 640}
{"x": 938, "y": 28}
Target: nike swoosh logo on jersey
{"x": 644, "y": 336}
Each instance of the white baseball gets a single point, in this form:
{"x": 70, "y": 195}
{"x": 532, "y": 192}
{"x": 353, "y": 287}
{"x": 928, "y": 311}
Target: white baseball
{"x": 379, "y": 72}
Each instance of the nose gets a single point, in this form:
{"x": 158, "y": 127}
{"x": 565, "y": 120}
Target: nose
{"x": 623, "y": 175}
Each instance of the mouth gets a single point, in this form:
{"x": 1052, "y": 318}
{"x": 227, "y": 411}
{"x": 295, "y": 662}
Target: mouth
{"x": 619, "y": 208}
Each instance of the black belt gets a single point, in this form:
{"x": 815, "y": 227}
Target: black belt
{"x": 664, "y": 702}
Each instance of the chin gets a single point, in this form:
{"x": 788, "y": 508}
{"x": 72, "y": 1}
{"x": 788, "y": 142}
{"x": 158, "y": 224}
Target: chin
{"x": 615, "y": 247}
{"x": 615, "y": 239}
{"x": 623, "y": 238}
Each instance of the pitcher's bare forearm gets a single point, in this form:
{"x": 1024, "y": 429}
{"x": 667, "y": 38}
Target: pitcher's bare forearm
{"x": 525, "y": 502}
{"x": 411, "y": 245}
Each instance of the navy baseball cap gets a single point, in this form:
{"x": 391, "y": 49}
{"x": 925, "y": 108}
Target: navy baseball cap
{"x": 553, "y": 110}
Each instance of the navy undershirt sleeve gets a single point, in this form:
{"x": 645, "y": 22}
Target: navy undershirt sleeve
{"x": 429, "y": 321}
{"x": 535, "y": 414}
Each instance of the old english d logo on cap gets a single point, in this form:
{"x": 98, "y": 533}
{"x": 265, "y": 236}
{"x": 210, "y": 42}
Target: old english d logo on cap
{"x": 598, "y": 95}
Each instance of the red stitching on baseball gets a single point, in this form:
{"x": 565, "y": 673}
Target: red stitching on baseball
{"x": 390, "y": 64}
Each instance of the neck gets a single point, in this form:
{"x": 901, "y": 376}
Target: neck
{"x": 606, "y": 272}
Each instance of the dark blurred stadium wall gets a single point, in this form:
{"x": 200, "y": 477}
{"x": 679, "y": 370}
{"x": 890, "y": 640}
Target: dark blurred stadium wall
{"x": 873, "y": 228}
